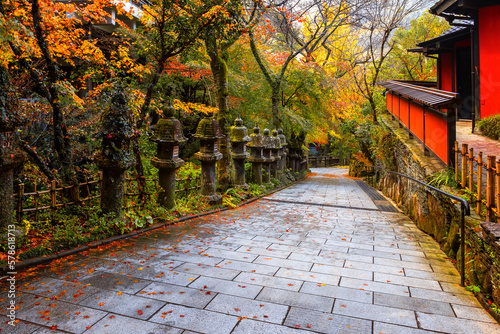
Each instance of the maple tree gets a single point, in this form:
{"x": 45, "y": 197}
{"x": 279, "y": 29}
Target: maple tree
{"x": 376, "y": 24}
{"x": 320, "y": 19}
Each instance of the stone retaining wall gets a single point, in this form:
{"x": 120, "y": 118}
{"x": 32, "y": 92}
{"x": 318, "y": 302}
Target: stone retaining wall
{"x": 438, "y": 216}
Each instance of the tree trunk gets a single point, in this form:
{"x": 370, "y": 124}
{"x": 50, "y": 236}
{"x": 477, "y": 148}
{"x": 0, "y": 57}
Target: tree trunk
{"x": 275, "y": 106}
{"x": 218, "y": 64}
{"x": 374, "y": 109}
{"x": 112, "y": 191}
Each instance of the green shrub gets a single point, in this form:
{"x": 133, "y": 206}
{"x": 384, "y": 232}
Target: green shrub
{"x": 490, "y": 127}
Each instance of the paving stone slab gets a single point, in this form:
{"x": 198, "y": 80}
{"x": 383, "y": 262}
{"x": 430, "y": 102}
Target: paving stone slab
{"x": 227, "y": 287}
{"x": 295, "y": 249}
{"x": 292, "y": 298}
{"x": 111, "y": 281}
{"x": 375, "y": 312}
{"x": 233, "y": 255}
{"x": 326, "y": 322}
{"x": 249, "y": 267}
{"x": 287, "y": 263}
{"x": 195, "y": 319}
{"x": 21, "y": 327}
{"x": 413, "y": 304}
{"x": 436, "y": 276}
{"x": 117, "y": 324}
{"x": 445, "y": 324}
{"x": 124, "y": 304}
{"x": 251, "y": 309}
{"x": 337, "y": 292}
{"x": 176, "y": 294}
{"x": 308, "y": 276}
{"x": 407, "y": 281}
{"x": 67, "y": 317}
{"x": 270, "y": 281}
{"x": 269, "y": 252}
{"x": 442, "y": 296}
{"x": 340, "y": 271}
{"x": 403, "y": 264}
{"x": 247, "y": 326}
{"x": 385, "y": 328}
{"x": 473, "y": 313}
{"x": 59, "y": 289}
{"x": 206, "y": 270}
{"x": 374, "y": 286}
{"x": 309, "y": 259}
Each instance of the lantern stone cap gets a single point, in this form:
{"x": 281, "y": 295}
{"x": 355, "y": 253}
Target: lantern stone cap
{"x": 256, "y": 138}
{"x": 168, "y": 109}
{"x": 208, "y": 129}
{"x": 168, "y": 130}
{"x": 239, "y": 132}
{"x": 282, "y": 137}
{"x": 276, "y": 139}
{"x": 268, "y": 140}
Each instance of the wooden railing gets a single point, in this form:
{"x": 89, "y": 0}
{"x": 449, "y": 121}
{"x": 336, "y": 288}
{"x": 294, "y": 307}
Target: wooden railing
{"x": 52, "y": 197}
{"x": 481, "y": 178}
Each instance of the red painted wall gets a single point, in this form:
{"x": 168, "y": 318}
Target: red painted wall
{"x": 436, "y": 135}
{"x": 489, "y": 60}
{"x": 446, "y": 70}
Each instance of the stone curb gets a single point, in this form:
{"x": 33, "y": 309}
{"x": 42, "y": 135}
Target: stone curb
{"x": 4, "y": 270}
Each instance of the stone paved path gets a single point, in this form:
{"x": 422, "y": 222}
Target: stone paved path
{"x": 317, "y": 257}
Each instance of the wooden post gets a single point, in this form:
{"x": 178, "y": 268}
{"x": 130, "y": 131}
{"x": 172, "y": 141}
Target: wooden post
{"x": 490, "y": 187}
{"x": 471, "y": 170}
{"x": 53, "y": 197}
{"x": 125, "y": 189}
{"x": 36, "y": 201}
{"x": 187, "y": 185}
{"x": 464, "y": 165}
{"x": 456, "y": 162}
{"x": 479, "y": 182}
{"x": 497, "y": 172}
{"x": 20, "y": 197}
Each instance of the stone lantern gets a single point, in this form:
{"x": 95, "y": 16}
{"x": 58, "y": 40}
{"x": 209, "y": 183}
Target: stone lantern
{"x": 294, "y": 154}
{"x": 10, "y": 155}
{"x": 116, "y": 155}
{"x": 209, "y": 133}
{"x": 256, "y": 154}
{"x": 168, "y": 134}
{"x": 239, "y": 139}
{"x": 275, "y": 153}
{"x": 269, "y": 159}
{"x": 282, "y": 151}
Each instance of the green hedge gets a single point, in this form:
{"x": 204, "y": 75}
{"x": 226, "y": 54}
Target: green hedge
{"x": 490, "y": 126}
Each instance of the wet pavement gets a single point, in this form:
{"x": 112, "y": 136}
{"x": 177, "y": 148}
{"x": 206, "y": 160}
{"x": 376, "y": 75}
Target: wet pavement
{"x": 317, "y": 257}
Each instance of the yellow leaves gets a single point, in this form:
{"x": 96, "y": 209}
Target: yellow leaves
{"x": 189, "y": 107}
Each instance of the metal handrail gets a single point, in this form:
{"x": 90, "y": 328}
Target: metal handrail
{"x": 464, "y": 208}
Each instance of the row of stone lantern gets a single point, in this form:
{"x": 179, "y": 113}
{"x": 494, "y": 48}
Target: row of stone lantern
{"x": 268, "y": 153}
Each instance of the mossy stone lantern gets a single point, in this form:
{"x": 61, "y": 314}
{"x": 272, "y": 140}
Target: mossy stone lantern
{"x": 256, "y": 154}
{"x": 295, "y": 154}
{"x": 209, "y": 133}
{"x": 168, "y": 134}
{"x": 10, "y": 156}
{"x": 269, "y": 159}
{"x": 275, "y": 153}
{"x": 282, "y": 150}
{"x": 239, "y": 139}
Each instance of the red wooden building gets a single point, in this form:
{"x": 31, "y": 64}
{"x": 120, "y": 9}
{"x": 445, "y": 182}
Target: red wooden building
{"x": 468, "y": 59}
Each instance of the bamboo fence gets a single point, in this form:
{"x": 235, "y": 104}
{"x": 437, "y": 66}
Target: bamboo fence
{"x": 54, "y": 197}
{"x": 480, "y": 178}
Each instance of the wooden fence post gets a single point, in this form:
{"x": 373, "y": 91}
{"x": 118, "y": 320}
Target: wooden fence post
{"x": 36, "y": 201}
{"x": 456, "y": 162}
{"x": 471, "y": 170}
{"x": 479, "y": 182}
{"x": 53, "y": 198}
{"x": 20, "y": 200}
{"x": 490, "y": 187}
{"x": 464, "y": 165}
